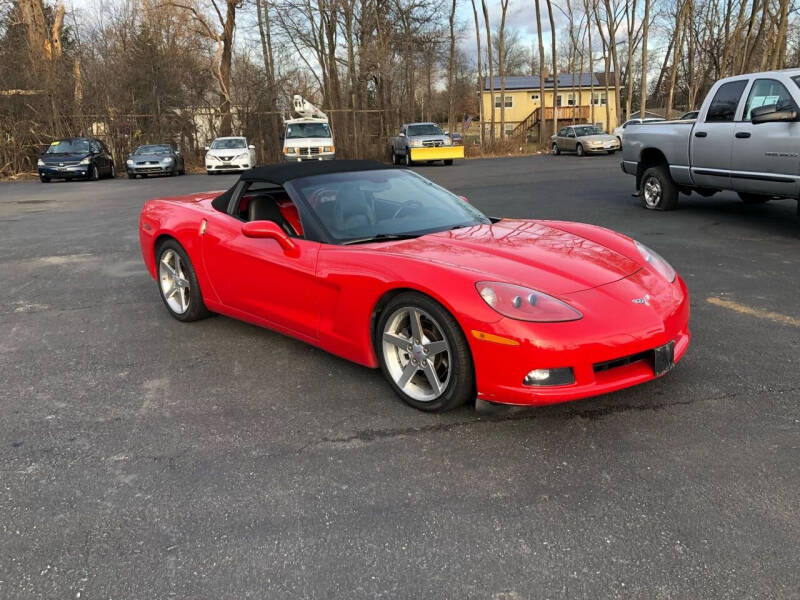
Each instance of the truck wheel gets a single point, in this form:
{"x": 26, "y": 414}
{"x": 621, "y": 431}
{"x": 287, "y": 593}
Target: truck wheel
{"x": 659, "y": 192}
{"x": 409, "y": 162}
{"x": 393, "y": 156}
{"x": 753, "y": 198}
{"x": 448, "y": 162}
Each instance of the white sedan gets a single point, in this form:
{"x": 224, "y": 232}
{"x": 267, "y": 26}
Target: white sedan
{"x": 620, "y": 131}
{"x": 228, "y": 154}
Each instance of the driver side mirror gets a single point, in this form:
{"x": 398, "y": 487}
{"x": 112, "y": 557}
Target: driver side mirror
{"x": 251, "y": 147}
{"x": 207, "y": 148}
{"x": 401, "y": 134}
{"x": 268, "y": 230}
{"x": 771, "y": 114}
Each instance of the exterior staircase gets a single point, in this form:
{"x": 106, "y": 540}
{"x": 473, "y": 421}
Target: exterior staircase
{"x": 567, "y": 114}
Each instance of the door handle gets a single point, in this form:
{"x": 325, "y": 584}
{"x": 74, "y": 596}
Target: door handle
{"x": 701, "y": 134}
{"x": 742, "y": 134}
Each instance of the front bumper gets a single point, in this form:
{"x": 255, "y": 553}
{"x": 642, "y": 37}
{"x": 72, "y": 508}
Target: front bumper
{"x": 229, "y": 167}
{"x": 610, "y": 349}
{"x": 158, "y": 169}
{"x": 64, "y": 172}
{"x": 308, "y": 157}
{"x": 436, "y": 153}
{"x": 598, "y": 149}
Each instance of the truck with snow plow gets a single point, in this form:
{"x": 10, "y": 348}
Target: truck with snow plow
{"x": 423, "y": 142}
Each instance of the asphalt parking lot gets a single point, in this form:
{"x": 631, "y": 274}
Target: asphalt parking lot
{"x": 146, "y": 458}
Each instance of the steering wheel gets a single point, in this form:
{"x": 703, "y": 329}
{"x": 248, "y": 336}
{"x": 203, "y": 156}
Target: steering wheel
{"x": 408, "y": 204}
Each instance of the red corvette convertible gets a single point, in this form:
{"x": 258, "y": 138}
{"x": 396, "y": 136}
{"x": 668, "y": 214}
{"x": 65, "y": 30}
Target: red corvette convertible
{"x": 387, "y": 269}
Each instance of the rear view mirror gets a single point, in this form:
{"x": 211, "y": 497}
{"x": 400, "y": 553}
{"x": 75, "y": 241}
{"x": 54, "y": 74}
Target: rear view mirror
{"x": 771, "y": 114}
{"x": 268, "y": 230}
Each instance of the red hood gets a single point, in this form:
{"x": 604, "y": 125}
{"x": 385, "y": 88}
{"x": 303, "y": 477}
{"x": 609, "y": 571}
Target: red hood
{"x": 530, "y": 253}
{"x": 190, "y": 198}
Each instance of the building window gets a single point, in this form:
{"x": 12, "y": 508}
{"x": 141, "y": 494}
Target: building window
{"x": 535, "y": 97}
{"x": 599, "y": 98}
{"x": 509, "y": 127}
{"x": 565, "y": 99}
{"x": 498, "y": 101}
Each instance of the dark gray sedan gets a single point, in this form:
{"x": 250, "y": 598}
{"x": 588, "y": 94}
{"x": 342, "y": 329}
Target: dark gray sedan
{"x": 155, "y": 159}
{"x": 583, "y": 139}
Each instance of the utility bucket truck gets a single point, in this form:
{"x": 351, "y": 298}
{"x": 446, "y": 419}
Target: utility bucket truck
{"x": 307, "y": 136}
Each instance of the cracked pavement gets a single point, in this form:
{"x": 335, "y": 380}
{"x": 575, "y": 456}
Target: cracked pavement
{"x": 145, "y": 458}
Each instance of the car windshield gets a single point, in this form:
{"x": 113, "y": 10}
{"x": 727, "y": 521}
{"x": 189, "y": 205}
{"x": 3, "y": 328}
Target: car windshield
{"x": 69, "y": 147}
{"x": 588, "y": 130}
{"x": 155, "y": 149}
{"x": 307, "y": 130}
{"x": 796, "y": 80}
{"x": 364, "y": 205}
{"x": 424, "y": 129}
{"x": 229, "y": 144}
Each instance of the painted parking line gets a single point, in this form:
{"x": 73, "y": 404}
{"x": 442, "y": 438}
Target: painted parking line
{"x": 755, "y": 312}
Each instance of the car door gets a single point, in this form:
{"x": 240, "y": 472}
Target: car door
{"x": 571, "y": 143}
{"x": 97, "y": 156}
{"x": 765, "y": 158}
{"x": 561, "y": 138}
{"x": 258, "y": 277}
{"x": 107, "y": 158}
{"x": 712, "y": 137}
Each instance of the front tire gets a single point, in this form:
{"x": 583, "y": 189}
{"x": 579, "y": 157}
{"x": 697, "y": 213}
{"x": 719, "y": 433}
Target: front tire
{"x": 408, "y": 160}
{"x": 579, "y": 150}
{"x": 131, "y": 176}
{"x": 423, "y": 354}
{"x": 94, "y": 174}
{"x": 753, "y": 198}
{"x": 658, "y": 190}
{"x": 44, "y": 179}
{"x": 555, "y": 150}
{"x": 448, "y": 162}
{"x": 177, "y": 283}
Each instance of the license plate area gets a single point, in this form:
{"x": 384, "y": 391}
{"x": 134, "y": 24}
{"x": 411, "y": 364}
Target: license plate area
{"x": 664, "y": 358}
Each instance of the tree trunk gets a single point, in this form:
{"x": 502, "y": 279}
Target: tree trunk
{"x": 645, "y": 30}
{"x": 541, "y": 73}
{"x": 451, "y": 99}
{"x": 481, "y": 84}
{"x": 555, "y": 64}
{"x": 491, "y": 70}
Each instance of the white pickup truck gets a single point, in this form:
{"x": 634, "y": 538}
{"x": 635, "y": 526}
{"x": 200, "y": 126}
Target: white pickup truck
{"x": 746, "y": 138}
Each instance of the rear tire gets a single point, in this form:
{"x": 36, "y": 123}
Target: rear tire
{"x": 555, "y": 150}
{"x": 438, "y": 353}
{"x": 753, "y": 198}
{"x": 185, "y": 303}
{"x": 658, "y": 190}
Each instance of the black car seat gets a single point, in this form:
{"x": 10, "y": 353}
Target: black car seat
{"x": 265, "y": 208}
{"x": 353, "y": 210}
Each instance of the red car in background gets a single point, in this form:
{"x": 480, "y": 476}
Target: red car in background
{"x": 385, "y": 268}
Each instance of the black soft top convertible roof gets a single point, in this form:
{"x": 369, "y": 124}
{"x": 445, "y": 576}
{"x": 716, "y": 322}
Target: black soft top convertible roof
{"x": 280, "y": 173}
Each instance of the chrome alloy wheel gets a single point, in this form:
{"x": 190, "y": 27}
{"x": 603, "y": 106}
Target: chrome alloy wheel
{"x": 416, "y": 353}
{"x": 652, "y": 192}
{"x": 173, "y": 281}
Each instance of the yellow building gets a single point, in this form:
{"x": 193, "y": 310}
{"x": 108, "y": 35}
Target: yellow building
{"x": 575, "y": 101}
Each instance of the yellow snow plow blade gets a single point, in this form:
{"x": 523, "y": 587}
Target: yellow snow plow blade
{"x": 440, "y": 153}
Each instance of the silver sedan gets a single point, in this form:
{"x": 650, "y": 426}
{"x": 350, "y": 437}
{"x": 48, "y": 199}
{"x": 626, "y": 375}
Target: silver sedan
{"x": 583, "y": 139}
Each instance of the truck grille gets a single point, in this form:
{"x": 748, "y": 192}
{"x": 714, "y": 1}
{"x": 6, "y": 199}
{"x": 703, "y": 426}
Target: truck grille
{"x": 432, "y": 143}
{"x": 309, "y": 151}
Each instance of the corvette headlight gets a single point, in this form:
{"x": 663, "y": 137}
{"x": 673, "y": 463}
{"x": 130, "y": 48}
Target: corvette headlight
{"x": 656, "y": 261}
{"x": 415, "y": 143}
{"x": 525, "y": 304}
{"x": 86, "y": 160}
{"x": 40, "y": 162}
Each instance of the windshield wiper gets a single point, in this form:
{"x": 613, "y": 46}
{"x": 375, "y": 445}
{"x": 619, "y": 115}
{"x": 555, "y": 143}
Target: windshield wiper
{"x": 381, "y": 237}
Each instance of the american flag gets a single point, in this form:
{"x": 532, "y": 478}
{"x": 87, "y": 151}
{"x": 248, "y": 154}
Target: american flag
{"x": 467, "y": 122}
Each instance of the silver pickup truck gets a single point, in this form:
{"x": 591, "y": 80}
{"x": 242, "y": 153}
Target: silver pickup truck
{"x": 418, "y": 142}
{"x": 746, "y": 138}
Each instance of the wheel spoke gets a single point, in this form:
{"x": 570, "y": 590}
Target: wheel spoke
{"x": 396, "y": 340}
{"x": 408, "y": 373}
{"x": 416, "y": 324}
{"x": 433, "y": 378}
{"x": 182, "y": 296}
{"x": 171, "y": 291}
{"x": 168, "y": 267}
{"x": 435, "y": 348}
